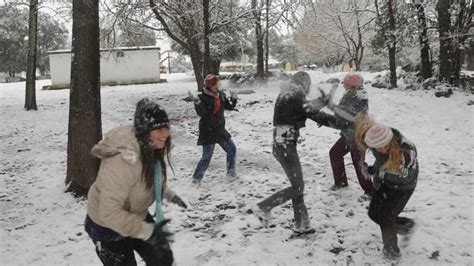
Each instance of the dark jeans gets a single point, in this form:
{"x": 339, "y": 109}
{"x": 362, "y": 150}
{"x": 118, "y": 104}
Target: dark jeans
{"x": 287, "y": 156}
{"x": 207, "y": 150}
{"x": 120, "y": 252}
{"x": 385, "y": 206}
{"x": 336, "y": 155}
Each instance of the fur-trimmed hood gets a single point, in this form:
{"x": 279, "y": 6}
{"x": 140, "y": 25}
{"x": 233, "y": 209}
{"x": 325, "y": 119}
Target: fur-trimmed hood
{"x": 120, "y": 140}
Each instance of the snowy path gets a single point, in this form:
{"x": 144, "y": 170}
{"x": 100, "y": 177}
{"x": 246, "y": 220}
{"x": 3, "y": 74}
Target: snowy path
{"x": 41, "y": 225}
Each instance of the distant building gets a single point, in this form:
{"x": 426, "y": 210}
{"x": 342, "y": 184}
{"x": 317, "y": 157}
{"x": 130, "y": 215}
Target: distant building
{"x": 245, "y": 66}
{"x": 236, "y": 67}
{"x": 119, "y": 66}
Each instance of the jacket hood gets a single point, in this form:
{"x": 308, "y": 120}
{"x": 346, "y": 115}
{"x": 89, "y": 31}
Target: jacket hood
{"x": 120, "y": 140}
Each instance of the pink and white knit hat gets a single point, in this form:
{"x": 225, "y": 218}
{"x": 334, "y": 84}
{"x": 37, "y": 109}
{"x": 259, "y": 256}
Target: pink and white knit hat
{"x": 378, "y": 136}
{"x": 353, "y": 80}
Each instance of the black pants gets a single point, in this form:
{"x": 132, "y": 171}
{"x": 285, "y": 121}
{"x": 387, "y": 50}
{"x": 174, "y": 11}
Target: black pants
{"x": 385, "y": 206}
{"x": 121, "y": 252}
{"x": 287, "y": 156}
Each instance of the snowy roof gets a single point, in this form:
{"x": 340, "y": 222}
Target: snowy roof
{"x": 65, "y": 51}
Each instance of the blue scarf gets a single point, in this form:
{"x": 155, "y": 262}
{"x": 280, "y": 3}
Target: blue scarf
{"x": 159, "y": 216}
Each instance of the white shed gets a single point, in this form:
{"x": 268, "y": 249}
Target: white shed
{"x": 118, "y": 66}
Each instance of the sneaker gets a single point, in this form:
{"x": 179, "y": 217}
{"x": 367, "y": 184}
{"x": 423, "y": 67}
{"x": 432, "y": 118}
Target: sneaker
{"x": 304, "y": 229}
{"x": 336, "y": 187}
{"x": 262, "y": 215}
{"x": 231, "y": 177}
{"x": 391, "y": 253}
{"x": 365, "y": 197}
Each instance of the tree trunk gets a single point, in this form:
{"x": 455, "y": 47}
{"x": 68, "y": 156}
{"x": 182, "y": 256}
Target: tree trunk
{"x": 207, "y": 49}
{"x": 444, "y": 41}
{"x": 267, "y": 9}
{"x": 85, "y": 127}
{"x": 392, "y": 44}
{"x": 214, "y": 66}
{"x": 357, "y": 64}
{"x": 360, "y": 46}
{"x": 196, "y": 60}
{"x": 470, "y": 56}
{"x": 259, "y": 40}
{"x": 30, "y": 90}
{"x": 463, "y": 23}
{"x": 260, "y": 63}
{"x": 456, "y": 64}
{"x": 426, "y": 71}
{"x": 188, "y": 41}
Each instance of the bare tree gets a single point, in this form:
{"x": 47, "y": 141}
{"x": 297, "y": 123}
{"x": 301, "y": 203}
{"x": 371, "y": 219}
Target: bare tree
{"x": 426, "y": 67}
{"x": 183, "y": 21}
{"x": 386, "y": 13}
{"x": 452, "y": 36}
{"x": 460, "y": 32}
{"x": 30, "y": 89}
{"x": 266, "y": 15}
{"x": 339, "y": 26}
{"x": 85, "y": 126}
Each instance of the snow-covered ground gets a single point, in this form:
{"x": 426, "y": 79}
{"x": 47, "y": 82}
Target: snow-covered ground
{"x": 42, "y": 225}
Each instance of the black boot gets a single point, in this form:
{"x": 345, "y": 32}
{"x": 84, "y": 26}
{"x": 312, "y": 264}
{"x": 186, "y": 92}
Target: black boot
{"x": 337, "y": 187}
{"x": 391, "y": 252}
{"x": 404, "y": 225}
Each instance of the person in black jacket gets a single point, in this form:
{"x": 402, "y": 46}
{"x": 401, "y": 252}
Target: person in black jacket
{"x": 290, "y": 114}
{"x": 210, "y": 106}
{"x": 394, "y": 174}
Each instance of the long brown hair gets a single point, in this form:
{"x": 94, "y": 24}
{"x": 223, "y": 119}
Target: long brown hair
{"x": 395, "y": 157}
{"x": 362, "y": 125}
{"x": 150, "y": 157}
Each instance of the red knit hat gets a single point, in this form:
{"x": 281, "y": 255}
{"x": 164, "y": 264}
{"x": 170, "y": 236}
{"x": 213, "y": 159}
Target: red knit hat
{"x": 378, "y": 136}
{"x": 353, "y": 80}
{"x": 211, "y": 80}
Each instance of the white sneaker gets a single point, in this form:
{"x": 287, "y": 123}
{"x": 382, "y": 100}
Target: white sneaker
{"x": 304, "y": 229}
{"x": 262, "y": 215}
{"x": 231, "y": 178}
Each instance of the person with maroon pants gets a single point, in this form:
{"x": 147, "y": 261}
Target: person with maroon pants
{"x": 354, "y": 101}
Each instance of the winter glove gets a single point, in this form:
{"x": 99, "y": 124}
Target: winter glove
{"x": 330, "y": 104}
{"x": 368, "y": 171}
{"x": 315, "y": 105}
{"x": 403, "y": 172}
{"x": 178, "y": 201}
{"x": 318, "y": 103}
{"x": 159, "y": 235}
{"x": 192, "y": 97}
{"x": 233, "y": 96}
